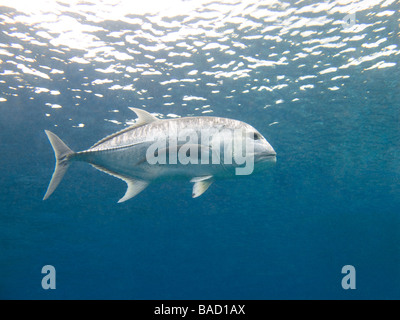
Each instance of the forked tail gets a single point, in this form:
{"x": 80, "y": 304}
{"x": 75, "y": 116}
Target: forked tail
{"x": 63, "y": 155}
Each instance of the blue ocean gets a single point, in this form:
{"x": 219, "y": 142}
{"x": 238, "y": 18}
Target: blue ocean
{"x": 320, "y": 80}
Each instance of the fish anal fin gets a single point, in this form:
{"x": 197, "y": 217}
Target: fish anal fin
{"x": 201, "y": 184}
{"x": 135, "y": 186}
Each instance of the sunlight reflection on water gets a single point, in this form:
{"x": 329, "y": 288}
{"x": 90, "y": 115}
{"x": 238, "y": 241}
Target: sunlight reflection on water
{"x": 130, "y": 46}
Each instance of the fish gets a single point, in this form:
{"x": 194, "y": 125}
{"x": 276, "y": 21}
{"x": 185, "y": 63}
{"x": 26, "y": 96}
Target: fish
{"x": 196, "y": 149}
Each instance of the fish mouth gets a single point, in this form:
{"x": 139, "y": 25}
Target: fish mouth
{"x": 267, "y": 156}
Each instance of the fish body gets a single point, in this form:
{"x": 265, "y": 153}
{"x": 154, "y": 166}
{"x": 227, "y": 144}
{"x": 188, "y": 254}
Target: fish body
{"x": 199, "y": 149}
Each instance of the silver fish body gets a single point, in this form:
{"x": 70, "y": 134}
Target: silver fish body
{"x": 192, "y": 148}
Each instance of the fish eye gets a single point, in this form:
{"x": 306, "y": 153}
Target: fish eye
{"x": 255, "y": 136}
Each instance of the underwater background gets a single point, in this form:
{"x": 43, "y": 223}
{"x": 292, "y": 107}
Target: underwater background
{"x": 320, "y": 80}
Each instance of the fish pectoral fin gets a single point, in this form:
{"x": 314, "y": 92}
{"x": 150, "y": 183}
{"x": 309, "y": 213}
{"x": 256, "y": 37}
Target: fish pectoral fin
{"x": 201, "y": 184}
{"x": 135, "y": 186}
{"x": 143, "y": 116}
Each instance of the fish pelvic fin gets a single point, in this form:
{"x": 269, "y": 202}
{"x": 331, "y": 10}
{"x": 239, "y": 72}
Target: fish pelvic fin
{"x": 201, "y": 184}
{"x": 62, "y": 154}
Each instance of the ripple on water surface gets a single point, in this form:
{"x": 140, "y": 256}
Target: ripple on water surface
{"x": 178, "y": 57}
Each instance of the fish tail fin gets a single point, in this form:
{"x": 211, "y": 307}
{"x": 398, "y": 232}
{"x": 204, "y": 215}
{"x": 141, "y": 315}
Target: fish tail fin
{"x": 63, "y": 155}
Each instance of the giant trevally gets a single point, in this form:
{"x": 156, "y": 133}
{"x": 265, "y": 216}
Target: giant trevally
{"x": 199, "y": 149}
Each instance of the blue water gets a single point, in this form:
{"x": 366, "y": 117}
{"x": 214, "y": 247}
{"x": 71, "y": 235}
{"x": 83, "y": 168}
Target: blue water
{"x": 325, "y": 93}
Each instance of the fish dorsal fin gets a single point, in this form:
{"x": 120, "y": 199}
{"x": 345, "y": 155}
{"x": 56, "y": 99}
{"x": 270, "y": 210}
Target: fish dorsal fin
{"x": 143, "y": 116}
{"x": 135, "y": 186}
{"x": 201, "y": 184}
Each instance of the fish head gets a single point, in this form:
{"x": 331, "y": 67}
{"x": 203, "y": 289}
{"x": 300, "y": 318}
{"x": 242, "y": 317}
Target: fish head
{"x": 250, "y": 142}
{"x": 262, "y": 149}
{"x": 251, "y": 150}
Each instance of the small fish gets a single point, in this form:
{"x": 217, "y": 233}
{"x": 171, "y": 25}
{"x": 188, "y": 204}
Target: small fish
{"x": 199, "y": 149}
